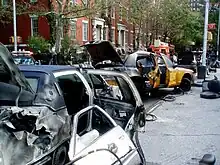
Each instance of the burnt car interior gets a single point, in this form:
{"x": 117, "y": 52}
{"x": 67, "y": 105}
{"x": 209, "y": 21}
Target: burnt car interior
{"x": 145, "y": 64}
{"x": 74, "y": 93}
{"x": 115, "y": 97}
{"x": 163, "y": 69}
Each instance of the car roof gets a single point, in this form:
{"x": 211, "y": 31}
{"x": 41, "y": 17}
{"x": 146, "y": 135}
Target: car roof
{"x": 46, "y": 68}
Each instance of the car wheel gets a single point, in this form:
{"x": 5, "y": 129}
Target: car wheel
{"x": 185, "y": 84}
{"x": 60, "y": 156}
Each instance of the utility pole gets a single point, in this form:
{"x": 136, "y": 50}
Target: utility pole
{"x": 15, "y": 26}
{"x": 205, "y": 33}
{"x": 217, "y": 53}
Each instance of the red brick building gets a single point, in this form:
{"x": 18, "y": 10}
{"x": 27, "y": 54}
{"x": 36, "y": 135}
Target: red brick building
{"x": 27, "y": 25}
{"x": 80, "y": 30}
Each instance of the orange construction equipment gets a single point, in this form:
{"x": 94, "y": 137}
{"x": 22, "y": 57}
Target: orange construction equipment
{"x": 162, "y": 47}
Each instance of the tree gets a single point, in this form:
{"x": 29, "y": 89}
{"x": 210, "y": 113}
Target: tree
{"x": 22, "y": 7}
{"x": 67, "y": 11}
{"x": 138, "y": 15}
{"x": 175, "y": 20}
{"x": 38, "y": 44}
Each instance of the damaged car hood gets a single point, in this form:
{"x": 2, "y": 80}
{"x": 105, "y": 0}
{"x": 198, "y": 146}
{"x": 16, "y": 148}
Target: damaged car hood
{"x": 9, "y": 71}
{"x": 27, "y": 134}
{"x": 102, "y": 51}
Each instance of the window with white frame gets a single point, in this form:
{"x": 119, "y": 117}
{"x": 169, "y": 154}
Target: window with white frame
{"x": 73, "y": 29}
{"x": 72, "y": 2}
{"x": 113, "y": 12}
{"x": 104, "y": 33}
{"x": 120, "y": 13}
{"x": 113, "y": 35}
{"x": 85, "y": 31}
{"x": 33, "y": 1}
{"x": 85, "y": 2}
{"x": 4, "y": 3}
{"x": 34, "y": 25}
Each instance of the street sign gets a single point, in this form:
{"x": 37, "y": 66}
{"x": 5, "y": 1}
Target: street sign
{"x": 212, "y": 26}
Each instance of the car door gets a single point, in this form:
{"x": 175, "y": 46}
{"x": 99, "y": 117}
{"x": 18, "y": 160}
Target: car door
{"x": 170, "y": 72}
{"x": 113, "y": 93}
{"x": 102, "y": 142}
{"x": 117, "y": 95}
{"x": 155, "y": 74}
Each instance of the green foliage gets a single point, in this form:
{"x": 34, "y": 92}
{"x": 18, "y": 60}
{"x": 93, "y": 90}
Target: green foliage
{"x": 38, "y": 44}
{"x": 70, "y": 51}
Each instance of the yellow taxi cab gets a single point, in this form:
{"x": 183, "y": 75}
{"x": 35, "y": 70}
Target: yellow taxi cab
{"x": 166, "y": 75}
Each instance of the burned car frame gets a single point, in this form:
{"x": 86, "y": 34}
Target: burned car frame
{"x": 69, "y": 88}
{"x": 37, "y": 111}
{"x": 148, "y": 76}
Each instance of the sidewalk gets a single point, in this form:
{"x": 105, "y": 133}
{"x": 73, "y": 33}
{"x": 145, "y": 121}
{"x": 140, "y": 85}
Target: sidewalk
{"x": 186, "y": 129}
{"x": 198, "y": 82}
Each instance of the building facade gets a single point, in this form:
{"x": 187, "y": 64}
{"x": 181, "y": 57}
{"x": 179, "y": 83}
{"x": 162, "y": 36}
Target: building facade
{"x": 80, "y": 30}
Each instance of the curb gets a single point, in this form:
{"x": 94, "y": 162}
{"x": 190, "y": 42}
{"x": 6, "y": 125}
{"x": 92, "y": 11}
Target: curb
{"x": 197, "y": 85}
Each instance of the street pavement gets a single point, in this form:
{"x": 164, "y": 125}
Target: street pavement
{"x": 185, "y": 130}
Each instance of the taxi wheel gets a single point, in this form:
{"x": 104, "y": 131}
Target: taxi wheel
{"x": 185, "y": 85}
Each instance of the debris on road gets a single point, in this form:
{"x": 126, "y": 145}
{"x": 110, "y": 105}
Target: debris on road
{"x": 210, "y": 89}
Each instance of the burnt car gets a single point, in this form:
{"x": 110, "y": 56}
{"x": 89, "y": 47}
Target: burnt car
{"x": 104, "y": 56}
{"x": 121, "y": 101}
{"x": 37, "y": 112}
{"x": 147, "y": 70}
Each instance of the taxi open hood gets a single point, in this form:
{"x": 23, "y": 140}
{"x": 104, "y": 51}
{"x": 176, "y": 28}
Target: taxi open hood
{"x": 102, "y": 51}
{"x": 11, "y": 79}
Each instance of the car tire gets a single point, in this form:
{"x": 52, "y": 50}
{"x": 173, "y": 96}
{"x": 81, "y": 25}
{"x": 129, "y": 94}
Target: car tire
{"x": 185, "y": 85}
{"x": 209, "y": 95}
{"x": 60, "y": 155}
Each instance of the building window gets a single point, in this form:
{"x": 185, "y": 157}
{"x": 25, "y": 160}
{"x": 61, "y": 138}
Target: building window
{"x": 113, "y": 35}
{"x": 113, "y": 12}
{"x": 85, "y": 2}
{"x": 4, "y": 3}
{"x": 34, "y": 26}
{"x": 33, "y": 1}
{"x": 73, "y": 29}
{"x": 104, "y": 33}
{"x": 85, "y": 31}
{"x": 120, "y": 13}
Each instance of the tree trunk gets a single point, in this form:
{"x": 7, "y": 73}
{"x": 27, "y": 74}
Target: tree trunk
{"x": 59, "y": 32}
{"x": 51, "y": 18}
{"x": 134, "y": 38}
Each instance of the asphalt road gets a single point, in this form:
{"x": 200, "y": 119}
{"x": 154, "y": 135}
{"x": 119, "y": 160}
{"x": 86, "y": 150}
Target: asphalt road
{"x": 185, "y": 130}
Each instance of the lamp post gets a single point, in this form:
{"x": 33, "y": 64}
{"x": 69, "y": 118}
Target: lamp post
{"x": 205, "y": 32}
{"x": 202, "y": 70}
{"x": 15, "y": 25}
{"x": 217, "y": 53}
